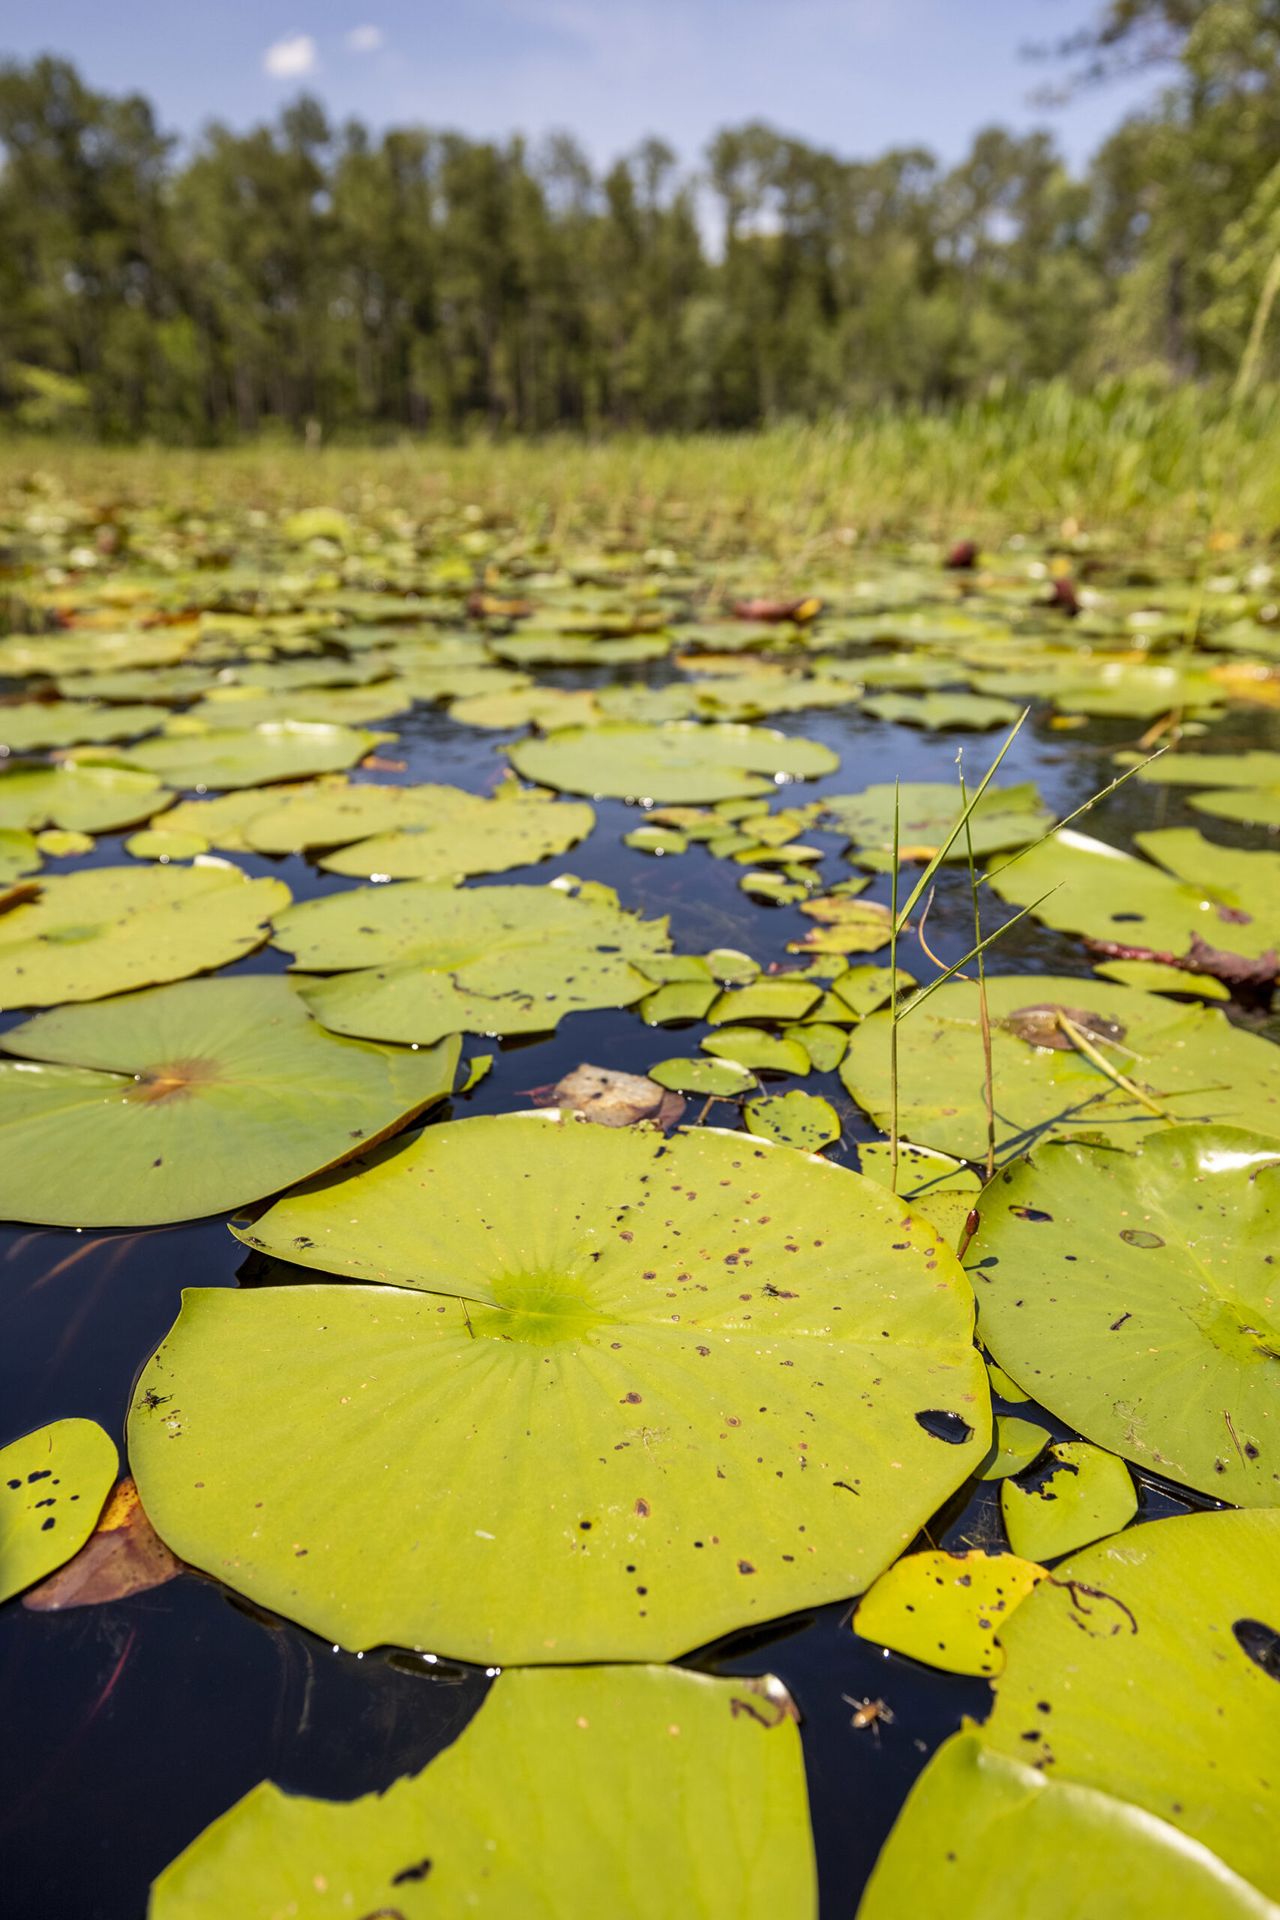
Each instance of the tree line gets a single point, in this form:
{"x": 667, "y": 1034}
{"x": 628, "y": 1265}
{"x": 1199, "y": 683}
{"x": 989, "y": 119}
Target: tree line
{"x": 303, "y": 272}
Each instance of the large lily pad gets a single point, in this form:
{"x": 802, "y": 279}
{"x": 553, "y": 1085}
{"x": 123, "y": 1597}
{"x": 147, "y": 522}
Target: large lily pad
{"x": 249, "y": 756}
{"x": 106, "y": 929}
{"x": 679, "y": 761}
{"x": 191, "y": 1099}
{"x": 79, "y": 799}
{"x": 433, "y": 960}
{"x": 52, "y": 1486}
{"x": 602, "y": 1368}
{"x": 1189, "y": 1063}
{"x": 465, "y": 834}
{"x": 1215, "y": 897}
{"x": 1140, "y": 1668}
{"x": 67, "y": 723}
{"x": 1004, "y": 818}
{"x": 984, "y": 1836}
{"x": 1134, "y": 1295}
{"x": 663, "y": 1792}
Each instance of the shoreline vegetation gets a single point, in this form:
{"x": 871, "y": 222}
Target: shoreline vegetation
{"x": 1189, "y": 467}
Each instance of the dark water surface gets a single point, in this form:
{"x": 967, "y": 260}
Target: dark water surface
{"x": 128, "y": 1727}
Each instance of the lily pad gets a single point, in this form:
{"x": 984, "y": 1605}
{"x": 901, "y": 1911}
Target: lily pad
{"x": 1017, "y": 1443}
{"x": 762, "y": 1052}
{"x": 676, "y": 762}
{"x": 1188, "y": 1062}
{"x": 67, "y": 723}
{"x": 984, "y": 1836}
{"x": 52, "y": 1486}
{"x": 105, "y": 930}
{"x": 801, "y": 1120}
{"x": 81, "y": 799}
{"x": 1134, "y": 1668}
{"x": 720, "y": 1079}
{"x": 974, "y": 711}
{"x": 1221, "y": 897}
{"x": 677, "y": 1792}
{"x": 542, "y": 649}
{"x": 1085, "y": 1495}
{"x": 249, "y": 756}
{"x": 544, "y": 707}
{"x": 1004, "y": 818}
{"x": 945, "y": 1609}
{"x": 1163, "y": 1345}
{"x": 191, "y": 1099}
{"x": 461, "y": 833}
{"x": 1157, "y": 976}
{"x": 562, "y": 1319}
{"x": 432, "y": 960}
{"x": 941, "y": 1190}
{"x": 19, "y": 855}
{"x": 765, "y": 999}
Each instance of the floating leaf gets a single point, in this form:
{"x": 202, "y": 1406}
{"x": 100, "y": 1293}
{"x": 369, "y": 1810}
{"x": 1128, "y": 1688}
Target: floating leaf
{"x": 940, "y": 710}
{"x": 191, "y": 1099}
{"x": 763, "y": 1052}
{"x": 1133, "y": 1295}
{"x": 679, "y": 1000}
{"x": 432, "y": 960}
{"x": 1155, "y": 976}
{"x": 824, "y": 1044}
{"x": 673, "y": 762}
{"x": 460, "y": 834}
{"x": 249, "y": 756}
{"x": 1129, "y": 1670}
{"x": 941, "y": 1190}
{"x": 52, "y": 1486}
{"x": 796, "y": 1119}
{"x": 1188, "y": 1063}
{"x": 160, "y": 843}
{"x": 105, "y": 930}
{"x": 677, "y": 1792}
{"x": 945, "y": 1609}
{"x": 67, "y": 723}
{"x": 19, "y": 854}
{"x": 765, "y": 999}
{"x": 81, "y": 798}
{"x": 1086, "y": 1495}
{"x": 720, "y": 1079}
{"x": 1017, "y": 1444}
{"x": 1004, "y": 818}
{"x": 592, "y": 1327}
{"x": 124, "y": 1555}
{"x": 983, "y": 1836}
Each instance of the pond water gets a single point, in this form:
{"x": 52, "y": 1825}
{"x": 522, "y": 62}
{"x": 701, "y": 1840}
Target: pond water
{"x": 128, "y": 1727}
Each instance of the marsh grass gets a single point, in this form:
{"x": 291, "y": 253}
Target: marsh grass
{"x": 1126, "y": 463}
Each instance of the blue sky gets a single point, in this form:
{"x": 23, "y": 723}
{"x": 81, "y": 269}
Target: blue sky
{"x": 854, "y": 75}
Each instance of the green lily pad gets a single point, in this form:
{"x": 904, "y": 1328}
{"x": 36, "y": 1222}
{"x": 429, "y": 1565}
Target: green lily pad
{"x": 656, "y": 840}
{"x": 93, "y": 651}
{"x": 249, "y": 756}
{"x": 802, "y": 1120}
{"x": 52, "y": 1486}
{"x": 458, "y": 833}
{"x": 1256, "y": 767}
{"x": 1140, "y": 1668}
{"x": 1163, "y": 1345}
{"x": 846, "y": 926}
{"x": 679, "y": 761}
{"x": 677, "y": 1792}
{"x": 865, "y": 989}
{"x": 1086, "y": 1495}
{"x": 562, "y": 1319}
{"x": 945, "y": 1609}
{"x": 428, "y": 960}
{"x": 105, "y": 930}
{"x": 253, "y": 706}
{"x": 1004, "y": 818}
{"x": 983, "y": 1836}
{"x": 547, "y": 708}
{"x": 19, "y": 855}
{"x": 63, "y": 843}
{"x": 541, "y": 649}
{"x": 765, "y": 999}
{"x": 160, "y": 843}
{"x": 938, "y": 711}
{"x": 1189, "y": 1061}
{"x": 1156, "y": 976}
{"x": 823, "y": 1043}
{"x": 763, "y": 1052}
{"x": 191, "y": 1099}
{"x": 68, "y": 723}
{"x": 731, "y": 967}
{"x": 81, "y": 799}
{"x": 720, "y": 1079}
{"x": 941, "y": 1190}
{"x": 1137, "y": 690}
{"x": 678, "y": 1000}
{"x": 1221, "y": 897}
{"x": 1017, "y": 1444}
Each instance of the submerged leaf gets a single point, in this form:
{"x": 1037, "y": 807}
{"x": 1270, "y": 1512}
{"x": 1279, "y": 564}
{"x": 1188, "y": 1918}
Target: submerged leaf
{"x": 123, "y": 1555}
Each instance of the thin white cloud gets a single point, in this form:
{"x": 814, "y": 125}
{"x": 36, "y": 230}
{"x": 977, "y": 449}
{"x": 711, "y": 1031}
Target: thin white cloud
{"x": 290, "y": 59}
{"x": 365, "y": 40}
